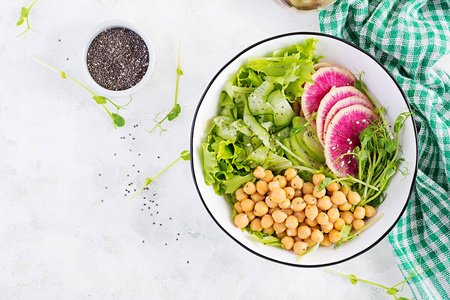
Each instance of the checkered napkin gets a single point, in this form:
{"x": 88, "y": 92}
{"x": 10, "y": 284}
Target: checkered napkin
{"x": 408, "y": 37}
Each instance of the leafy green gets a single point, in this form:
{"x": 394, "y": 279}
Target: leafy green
{"x": 264, "y": 238}
{"x": 118, "y": 120}
{"x": 24, "y": 13}
{"x": 185, "y": 155}
{"x": 176, "y": 110}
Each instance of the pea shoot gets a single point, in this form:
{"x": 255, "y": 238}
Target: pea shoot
{"x": 185, "y": 155}
{"x": 175, "y": 112}
{"x": 118, "y": 120}
{"x": 393, "y": 290}
{"x": 24, "y": 13}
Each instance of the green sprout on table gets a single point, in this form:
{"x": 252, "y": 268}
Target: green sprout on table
{"x": 393, "y": 290}
{"x": 117, "y": 119}
{"x": 185, "y": 155}
{"x": 24, "y": 13}
{"x": 175, "y": 112}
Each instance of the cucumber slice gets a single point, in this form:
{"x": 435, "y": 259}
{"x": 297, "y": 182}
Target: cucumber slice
{"x": 224, "y": 129}
{"x": 258, "y": 156}
{"x": 282, "y": 110}
{"x": 254, "y": 126}
{"x": 312, "y": 142}
{"x": 283, "y": 133}
{"x": 257, "y": 101}
{"x": 287, "y": 142}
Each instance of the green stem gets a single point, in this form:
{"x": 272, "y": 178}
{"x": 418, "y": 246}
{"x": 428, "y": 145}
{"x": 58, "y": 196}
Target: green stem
{"x": 358, "y": 279}
{"x": 179, "y": 72}
{"x": 32, "y": 4}
{"x": 166, "y": 168}
{"x": 370, "y": 224}
{"x": 302, "y": 168}
{"x": 353, "y": 179}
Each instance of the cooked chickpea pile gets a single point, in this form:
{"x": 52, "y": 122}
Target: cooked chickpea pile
{"x": 296, "y": 211}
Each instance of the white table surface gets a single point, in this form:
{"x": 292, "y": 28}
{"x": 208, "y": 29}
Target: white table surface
{"x": 66, "y": 230}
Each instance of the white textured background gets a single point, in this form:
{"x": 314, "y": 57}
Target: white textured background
{"x": 66, "y": 231}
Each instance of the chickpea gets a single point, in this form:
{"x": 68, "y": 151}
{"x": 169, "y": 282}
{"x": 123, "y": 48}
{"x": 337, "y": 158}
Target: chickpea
{"x": 326, "y": 227}
{"x": 270, "y": 203}
{"x": 269, "y": 176}
{"x": 345, "y": 190}
{"x": 346, "y": 206}
{"x": 338, "y": 198}
{"x": 238, "y": 207}
{"x": 281, "y": 179}
{"x": 247, "y": 204}
{"x": 291, "y": 222}
{"x": 300, "y": 247}
{"x": 303, "y": 232}
{"x": 290, "y": 173}
{"x": 333, "y": 236}
{"x": 333, "y": 186}
{"x": 255, "y": 225}
{"x": 308, "y": 188}
{"x": 285, "y": 204}
{"x": 333, "y": 214}
{"x": 314, "y": 228}
{"x": 291, "y": 232}
{"x": 309, "y": 242}
{"x": 370, "y": 211}
{"x": 287, "y": 242}
{"x": 324, "y": 203}
{"x": 358, "y": 224}
{"x": 317, "y": 236}
{"x": 322, "y": 218}
{"x": 241, "y": 220}
{"x": 267, "y": 221}
{"x": 279, "y": 227}
{"x": 269, "y": 230}
{"x": 298, "y": 193}
{"x": 318, "y": 178}
{"x": 257, "y": 197}
{"x": 278, "y": 195}
{"x": 281, "y": 235}
{"x": 298, "y": 204}
{"x": 250, "y": 215}
{"x": 338, "y": 224}
{"x": 297, "y": 183}
{"x": 259, "y": 172}
{"x": 311, "y": 212}
{"x": 249, "y": 188}
{"x": 279, "y": 216}
{"x": 262, "y": 187}
{"x": 353, "y": 197}
{"x": 311, "y": 222}
{"x": 289, "y": 192}
{"x": 317, "y": 193}
{"x": 310, "y": 199}
{"x": 288, "y": 211}
{"x": 260, "y": 209}
{"x": 300, "y": 216}
{"x": 347, "y": 216}
{"x": 273, "y": 185}
{"x": 359, "y": 212}
{"x": 326, "y": 241}
{"x": 240, "y": 194}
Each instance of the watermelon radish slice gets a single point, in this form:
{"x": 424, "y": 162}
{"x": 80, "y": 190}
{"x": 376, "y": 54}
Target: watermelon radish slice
{"x": 321, "y": 65}
{"x": 343, "y": 104}
{"x": 327, "y": 103}
{"x": 343, "y": 136}
{"x": 324, "y": 79}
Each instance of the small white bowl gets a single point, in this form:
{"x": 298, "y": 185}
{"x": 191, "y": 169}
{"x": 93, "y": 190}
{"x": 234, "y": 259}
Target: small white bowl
{"x": 381, "y": 85}
{"x": 117, "y": 24}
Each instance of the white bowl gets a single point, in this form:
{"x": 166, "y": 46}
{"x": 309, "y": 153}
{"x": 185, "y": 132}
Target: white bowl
{"x": 381, "y": 85}
{"x": 117, "y": 24}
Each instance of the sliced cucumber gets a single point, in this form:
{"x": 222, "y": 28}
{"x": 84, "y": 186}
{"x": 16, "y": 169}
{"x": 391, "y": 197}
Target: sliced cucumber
{"x": 282, "y": 110}
{"x": 312, "y": 142}
{"x": 300, "y": 152}
{"x": 254, "y": 126}
{"x": 258, "y": 156}
{"x": 283, "y": 133}
{"x": 287, "y": 142}
{"x": 308, "y": 133}
{"x": 257, "y": 101}
{"x": 224, "y": 129}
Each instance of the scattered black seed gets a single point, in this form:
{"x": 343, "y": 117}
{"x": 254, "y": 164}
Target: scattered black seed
{"x": 187, "y": 261}
{"x": 114, "y": 154}
{"x": 153, "y": 223}
{"x": 117, "y": 59}
{"x": 102, "y": 200}
{"x": 160, "y": 224}
{"x": 67, "y": 58}
{"x": 59, "y": 40}
{"x": 159, "y": 157}
{"x": 165, "y": 244}
{"x": 143, "y": 241}
{"x": 99, "y": 174}
{"x": 106, "y": 187}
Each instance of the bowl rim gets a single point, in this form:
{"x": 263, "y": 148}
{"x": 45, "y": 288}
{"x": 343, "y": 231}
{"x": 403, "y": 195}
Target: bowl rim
{"x": 93, "y": 33}
{"x": 404, "y": 99}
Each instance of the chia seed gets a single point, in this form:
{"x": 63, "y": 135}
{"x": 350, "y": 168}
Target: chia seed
{"x": 117, "y": 59}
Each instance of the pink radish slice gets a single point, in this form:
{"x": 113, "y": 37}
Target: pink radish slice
{"x": 343, "y": 104}
{"x": 343, "y": 136}
{"x": 324, "y": 79}
{"x": 321, "y": 65}
{"x": 327, "y": 103}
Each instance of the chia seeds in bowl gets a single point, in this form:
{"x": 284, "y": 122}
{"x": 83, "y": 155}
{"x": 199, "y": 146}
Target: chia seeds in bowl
{"x": 118, "y": 59}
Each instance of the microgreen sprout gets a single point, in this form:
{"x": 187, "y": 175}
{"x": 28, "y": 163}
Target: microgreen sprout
{"x": 185, "y": 155}
{"x": 118, "y": 120}
{"x": 24, "y": 13}
{"x": 297, "y": 130}
{"x": 393, "y": 290}
{"x": 175, "y": 112}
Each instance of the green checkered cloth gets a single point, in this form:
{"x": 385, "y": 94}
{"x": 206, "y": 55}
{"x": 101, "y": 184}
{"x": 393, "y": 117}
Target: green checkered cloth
{"x": 409, "y": 37}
